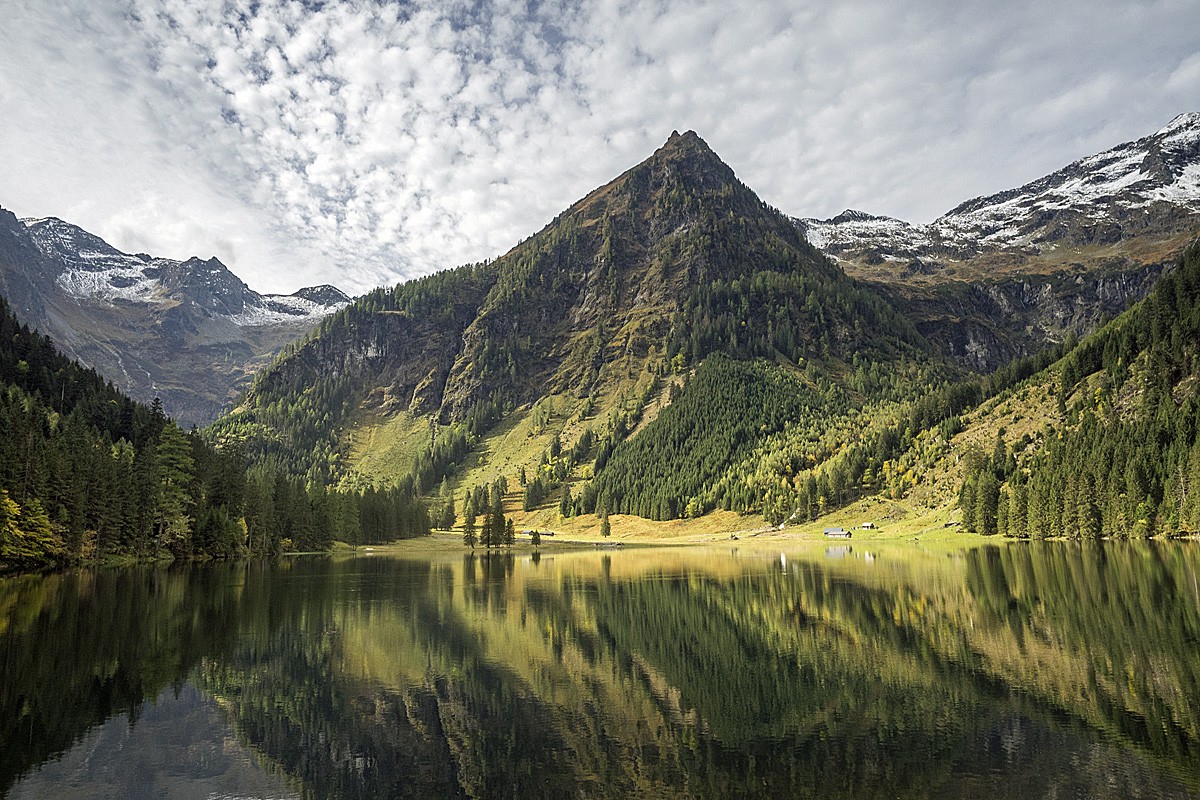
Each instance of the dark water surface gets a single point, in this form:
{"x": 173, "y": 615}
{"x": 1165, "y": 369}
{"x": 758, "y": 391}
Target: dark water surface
{"x": 1053, "y": 670}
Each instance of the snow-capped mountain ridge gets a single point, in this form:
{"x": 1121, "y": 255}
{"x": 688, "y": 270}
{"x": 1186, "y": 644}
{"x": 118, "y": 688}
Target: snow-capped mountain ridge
{"x": 92, "y": 270}
{"x": 1151, "y": 183}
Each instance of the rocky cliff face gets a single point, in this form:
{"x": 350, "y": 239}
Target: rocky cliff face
{"x": 398, "y": 353}
{"x": 983, "y": 326}
{"x": 1006, "y": 274}
{"x": 190, "y": 332}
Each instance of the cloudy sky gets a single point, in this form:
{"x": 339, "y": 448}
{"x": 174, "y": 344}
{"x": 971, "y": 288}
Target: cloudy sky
{"x": 362, "y": 143}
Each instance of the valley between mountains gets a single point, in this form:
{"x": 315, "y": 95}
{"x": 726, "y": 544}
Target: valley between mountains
{"x": 671, "y": 357}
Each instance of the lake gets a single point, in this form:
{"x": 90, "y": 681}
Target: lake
{"x": 1015, "y": 670}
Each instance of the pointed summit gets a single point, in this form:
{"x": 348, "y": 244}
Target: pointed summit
{"x": 646, "y": 276}
{"x": 685, "y": 141}
{"x": 671, "y": 261}
{"x": 682, "y": 187}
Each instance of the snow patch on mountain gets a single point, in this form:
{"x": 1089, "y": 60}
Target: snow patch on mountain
{"x": 1123, "y": 183}
{"x": 94, "y": 271}
{"x": 276, "y": 309}
{"x": 111, "y": 284}
{"x": 859, "y": 229}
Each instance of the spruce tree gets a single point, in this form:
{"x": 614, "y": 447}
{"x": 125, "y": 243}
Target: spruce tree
{"x": 1017, "y": 519}
{"x": 966, "y": 502}
{"x": 485, "y": 530}
{"x": 987, "y": 501}
{"x": 448, "y": 515}
{"x": 565, "y": 505}
{"x": 1088, "y": 510}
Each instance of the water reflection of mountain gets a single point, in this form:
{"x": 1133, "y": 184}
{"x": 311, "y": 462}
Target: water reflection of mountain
{"x": 1007, "y": 672}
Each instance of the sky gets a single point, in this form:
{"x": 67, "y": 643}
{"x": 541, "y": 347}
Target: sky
{"x": 366, "y": 143}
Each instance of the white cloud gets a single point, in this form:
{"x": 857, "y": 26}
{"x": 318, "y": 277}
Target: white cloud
{"x": 360, "y": 143}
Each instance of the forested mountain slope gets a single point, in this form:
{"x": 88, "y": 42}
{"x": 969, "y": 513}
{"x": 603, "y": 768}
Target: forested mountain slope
{"x": 628, "y": 289}
{"x": 1122, "y": 455}
{"x": 86, "y": 471}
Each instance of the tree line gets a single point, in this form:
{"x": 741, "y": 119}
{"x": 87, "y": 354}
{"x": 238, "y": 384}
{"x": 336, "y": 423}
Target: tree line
{"x": 86, "y": 472}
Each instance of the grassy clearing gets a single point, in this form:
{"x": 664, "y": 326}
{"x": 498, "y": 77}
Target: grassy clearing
{"x": 514, "y": 443}
{"x": 385, "y": 448}
{"x": 894, "y": 521}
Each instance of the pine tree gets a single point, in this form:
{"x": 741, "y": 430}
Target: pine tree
{"x": 1017, "y": 518}
{"x": 175, "y": 472}
{"x": 448, "y": 515}
{"x": 1192, "y": 500}
{"x": 605, "y": 528}
{"x": 987, "y": 501}
{"x": 966, "y": 502}
{"x": 485, "y": 530}
{"x": 469, "y": 515}
{"x": 1088, "y": 510}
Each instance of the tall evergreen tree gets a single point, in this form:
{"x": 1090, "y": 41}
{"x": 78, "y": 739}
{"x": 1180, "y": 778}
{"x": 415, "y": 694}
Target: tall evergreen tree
{"x": 565, "y": 505}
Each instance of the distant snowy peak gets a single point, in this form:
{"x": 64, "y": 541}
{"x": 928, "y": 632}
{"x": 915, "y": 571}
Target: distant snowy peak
{"x": 301, "y": 306}
{"x": 1161, "y": 168}
{"x": 324, "y": 295}
{"x": 857, "y": 229}
{"x": 1134, "y": 187}
{"x": 92, "y": 270}
{"x": 89, "y": 267}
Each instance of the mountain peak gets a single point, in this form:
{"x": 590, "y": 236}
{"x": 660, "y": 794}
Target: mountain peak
{"x": 155, "y": 326}
{"x": 853, "y": 215}
{"x": 1185, "y": 121}
{"x": 324, "y": 294}
{"x": 684, "y": 145}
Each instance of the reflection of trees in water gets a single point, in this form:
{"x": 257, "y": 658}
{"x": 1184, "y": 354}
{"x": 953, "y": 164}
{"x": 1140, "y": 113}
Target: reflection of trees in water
{"x": 82, "y": 646}
{"x": 464, "y": 730}
{"x": 775, "y": 684}
{"x": 539, "y": 682}
{"x": 1108, "y": 632}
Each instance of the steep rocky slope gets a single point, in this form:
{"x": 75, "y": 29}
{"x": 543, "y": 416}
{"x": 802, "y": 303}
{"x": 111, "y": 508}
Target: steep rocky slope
{"x": 189, "y": 331}
{"x": 1003, "y": 275}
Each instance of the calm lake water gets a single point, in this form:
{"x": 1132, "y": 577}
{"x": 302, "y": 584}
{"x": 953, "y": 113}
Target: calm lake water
{"x": 1021, "y": 670}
